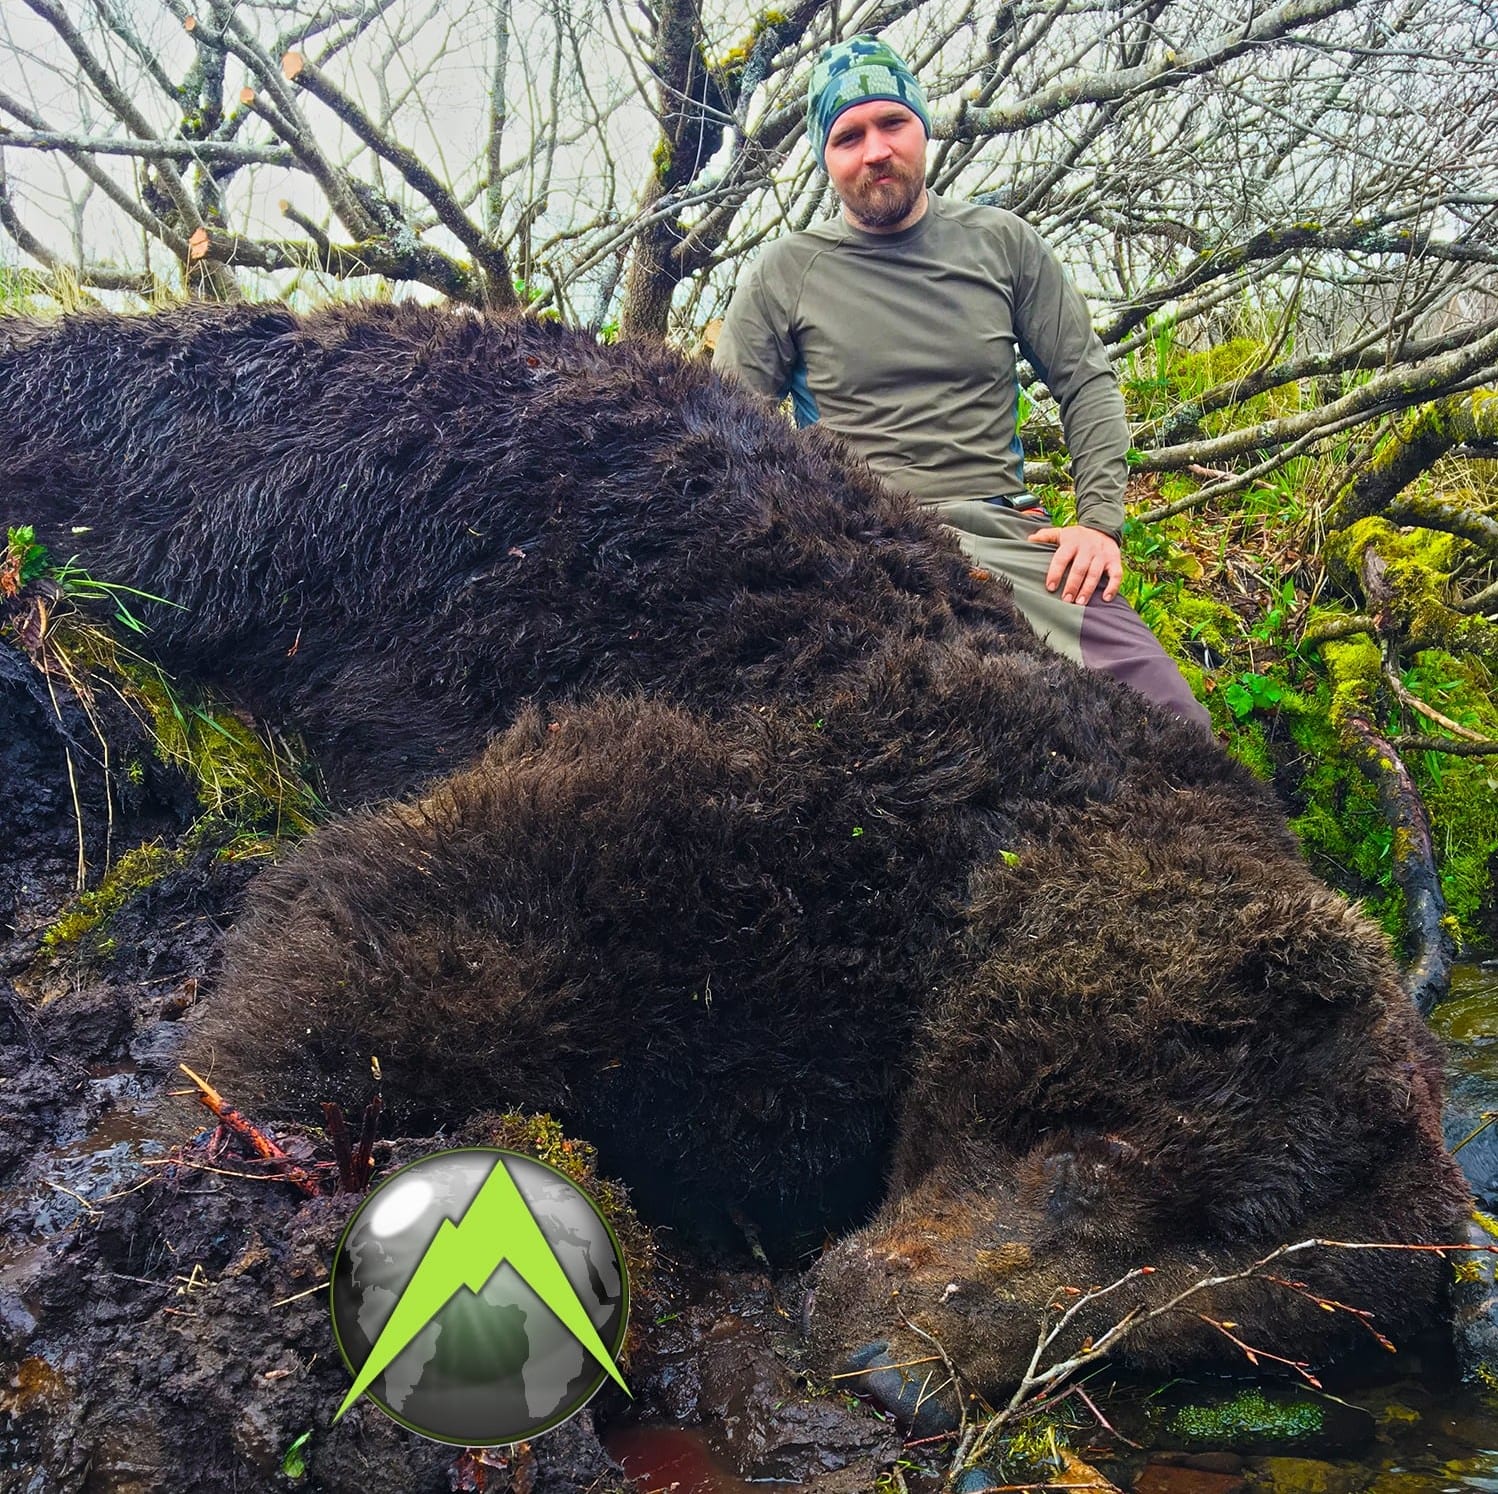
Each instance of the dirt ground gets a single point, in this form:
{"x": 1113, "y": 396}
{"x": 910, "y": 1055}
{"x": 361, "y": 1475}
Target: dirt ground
{"x": 162, "y": 1325}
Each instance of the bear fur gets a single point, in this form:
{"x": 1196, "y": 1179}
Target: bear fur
{"x": 390, "y": 526}
{"x": 806, "y": 881}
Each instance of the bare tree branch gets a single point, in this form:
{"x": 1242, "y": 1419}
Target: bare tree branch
{"x": 1149, "y": 77}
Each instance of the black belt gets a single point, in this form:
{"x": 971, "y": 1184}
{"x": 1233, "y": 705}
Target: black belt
{"x": 1021, "y": 504}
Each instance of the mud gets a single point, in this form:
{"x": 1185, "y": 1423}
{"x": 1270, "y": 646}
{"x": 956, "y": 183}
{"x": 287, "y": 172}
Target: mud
{"x": 162, "y": 1324}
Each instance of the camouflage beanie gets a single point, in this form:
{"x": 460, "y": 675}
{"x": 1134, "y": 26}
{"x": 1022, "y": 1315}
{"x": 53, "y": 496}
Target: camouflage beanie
{"x": 854, "y": 72}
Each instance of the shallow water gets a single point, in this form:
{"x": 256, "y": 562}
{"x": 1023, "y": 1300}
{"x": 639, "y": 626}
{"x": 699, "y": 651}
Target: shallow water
{"x": 1468, "y": 1019}
{"x": 1428, "y": 1442}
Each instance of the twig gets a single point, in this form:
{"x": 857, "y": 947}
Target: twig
{"x": 1444, "y": 744}
{"x": 222, "y": 1172}
{"x": 876, "y": 1368}
{"x": 67, "y": 756}
{"x": 248, "y": 1131}
{"x": 1430, "y": 712}
{"x": 952, "y": 1378}
{"x": 1102, "y": 1420}
{"x": 1488, "y": 1117}
{"x": 1300, "y": 1366}
{"x": 91, "y": 1208}
{"x": 321, "y": 1286}
{"x": 1037, "y": 1385}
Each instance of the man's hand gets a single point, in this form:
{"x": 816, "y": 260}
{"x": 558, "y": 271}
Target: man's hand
{"x": 1084, "y": 557}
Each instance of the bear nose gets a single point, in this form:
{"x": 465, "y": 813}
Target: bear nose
{"x": 914, "y": 1388}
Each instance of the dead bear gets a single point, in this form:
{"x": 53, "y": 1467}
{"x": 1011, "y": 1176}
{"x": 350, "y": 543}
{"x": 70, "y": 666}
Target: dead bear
{"x": 805, "y": 868}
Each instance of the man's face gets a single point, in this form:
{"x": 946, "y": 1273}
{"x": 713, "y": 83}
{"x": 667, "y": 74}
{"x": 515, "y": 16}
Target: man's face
{"x": 876, "y": 158}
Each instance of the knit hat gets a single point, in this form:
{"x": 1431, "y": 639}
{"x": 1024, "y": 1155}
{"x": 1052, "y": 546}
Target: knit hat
{"x": 854, "y": 72}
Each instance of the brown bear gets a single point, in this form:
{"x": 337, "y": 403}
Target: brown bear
{"x": 807, "y": 882}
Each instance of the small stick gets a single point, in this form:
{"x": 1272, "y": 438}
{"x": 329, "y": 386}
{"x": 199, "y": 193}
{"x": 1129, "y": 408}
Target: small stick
{"x": 343, "y": 1152}
{"x": 364, "y": 1157}
{"x": 322, "y": 1286}
{"x": 248, "y": 1131}
{"x": 1488, "y": 1117}
{"x": 1102, "y": 1420}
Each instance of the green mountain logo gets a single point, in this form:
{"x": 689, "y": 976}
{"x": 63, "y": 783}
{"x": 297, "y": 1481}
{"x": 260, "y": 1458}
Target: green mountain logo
{"x": 468, "y": 1352}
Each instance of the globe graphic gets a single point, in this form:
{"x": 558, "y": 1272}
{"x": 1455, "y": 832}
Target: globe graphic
{"x": 493, "y": 1365}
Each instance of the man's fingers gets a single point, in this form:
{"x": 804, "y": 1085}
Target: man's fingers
{"x": 1061, "y": 561}
{"x": 1096, "y": 567}
{"x": 1082, "y": 560}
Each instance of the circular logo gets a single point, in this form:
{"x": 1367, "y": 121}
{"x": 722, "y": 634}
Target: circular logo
{"x": 479, "y": 1297}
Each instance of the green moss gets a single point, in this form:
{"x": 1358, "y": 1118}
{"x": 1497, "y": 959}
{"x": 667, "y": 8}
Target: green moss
{"x": 1178, "y": 616}
{"x": 239, "y": 776}
{"x": 1201, "y": 620}
{"x": 1354, "y": 671}
{"x": 735, "y": 59}
{"x": 1165, "y": 375}
{"x": 1417, "y": 564}
{"x": 1283, "y": 719}
{"x": 1460, "y": 793}
{"x": 1340, "y": 825}
{"x": 1030, "y": 1455}
{"x": 1034, "y": 1445}
{"x": 136, "y": 870}
{"x": 1249, "y": 1414}
{"x": 1343, "y": 828}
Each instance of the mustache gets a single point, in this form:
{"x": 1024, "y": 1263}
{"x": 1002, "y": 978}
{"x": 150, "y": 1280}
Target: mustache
{"x": 886, "y": 173}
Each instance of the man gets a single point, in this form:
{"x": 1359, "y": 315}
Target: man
{"x": 898, "y": 327}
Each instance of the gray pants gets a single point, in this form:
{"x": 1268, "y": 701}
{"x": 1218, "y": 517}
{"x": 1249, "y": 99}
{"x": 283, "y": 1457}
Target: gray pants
{"x": 1107, "y": 636}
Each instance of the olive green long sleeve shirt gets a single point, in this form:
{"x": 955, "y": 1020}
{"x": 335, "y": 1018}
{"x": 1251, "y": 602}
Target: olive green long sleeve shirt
{"x": 906, "y": 345}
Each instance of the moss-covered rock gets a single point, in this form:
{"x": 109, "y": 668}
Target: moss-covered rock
{"x": 1275, "y": 1475}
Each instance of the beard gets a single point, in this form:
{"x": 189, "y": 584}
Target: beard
{"x": 880, "y": 198}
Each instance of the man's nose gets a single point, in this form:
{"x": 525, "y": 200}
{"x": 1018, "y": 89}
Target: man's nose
{"x": 876, "y": 147}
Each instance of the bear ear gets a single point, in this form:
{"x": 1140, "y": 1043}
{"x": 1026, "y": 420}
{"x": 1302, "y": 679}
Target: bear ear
{"x": 1086, "y": 1185}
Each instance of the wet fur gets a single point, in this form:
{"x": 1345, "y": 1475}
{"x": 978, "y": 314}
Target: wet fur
{"x": 803, "y": 866}
{"x": 392, "y": 525}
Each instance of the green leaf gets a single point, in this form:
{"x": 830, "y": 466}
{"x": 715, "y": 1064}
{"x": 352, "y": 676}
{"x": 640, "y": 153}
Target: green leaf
{"x": 31, "y": 558}
{"x": 1240, "y": 702}
{"x": 294, "y": 1463}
